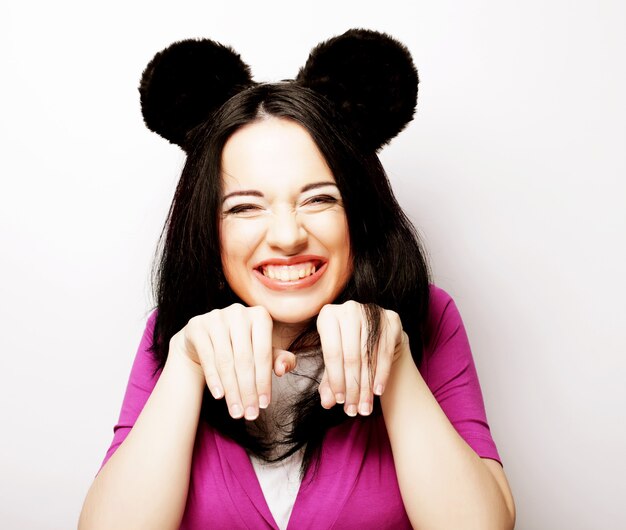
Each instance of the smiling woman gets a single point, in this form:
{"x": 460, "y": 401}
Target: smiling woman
{"x": 299, "y": 371}
{"x": 286, "y": 245}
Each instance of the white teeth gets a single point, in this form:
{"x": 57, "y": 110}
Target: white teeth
{"x": 288, "y": 273}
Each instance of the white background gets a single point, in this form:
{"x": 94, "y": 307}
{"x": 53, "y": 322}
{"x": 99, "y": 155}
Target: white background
{"x": 513, "y": 170}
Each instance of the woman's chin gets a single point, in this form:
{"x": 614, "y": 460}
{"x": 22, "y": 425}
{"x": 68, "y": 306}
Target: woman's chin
{"x": 292, "y": 308}
{"x": 291, "y": 319}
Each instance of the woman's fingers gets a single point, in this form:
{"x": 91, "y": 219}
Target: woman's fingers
{"x": 366, "y": 397}
{"x": 225, "y": 363}
{"x": 262, "y": 352}
{"x": 198, "y": 345}
{"x": 353, "y": 354}
{"x": 330, "y": 339}
{"x": 284, "y": 361}
{"x": 348, "y": 376}
{"x": 234, "y": 347}
{"x": 326, "y": 394}
{"x": 384, "y": 357}
{"x": 245, "y": 369}
{"x": 343, "y": 337}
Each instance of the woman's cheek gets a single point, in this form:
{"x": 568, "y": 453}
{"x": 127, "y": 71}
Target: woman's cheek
{"x": 244, "y": 233}
{"x": 329, "y": 227}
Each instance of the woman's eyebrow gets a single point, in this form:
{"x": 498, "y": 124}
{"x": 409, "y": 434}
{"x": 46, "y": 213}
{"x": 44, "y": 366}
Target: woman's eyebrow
{"x": 255, "y": 193}
{"x": 317, "y": 185}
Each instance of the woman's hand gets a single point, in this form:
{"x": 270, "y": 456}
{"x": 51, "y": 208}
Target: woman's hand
{"x": 233, "y": 346}
{"x": 343, "y": 331}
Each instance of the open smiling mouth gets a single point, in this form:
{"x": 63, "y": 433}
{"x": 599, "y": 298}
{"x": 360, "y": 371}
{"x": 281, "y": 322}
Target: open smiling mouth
{"x": 296, "y": 275}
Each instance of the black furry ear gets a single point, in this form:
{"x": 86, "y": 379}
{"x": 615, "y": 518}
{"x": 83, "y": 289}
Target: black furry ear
{"x": 186, "y": 82}
{"x": 371, "y": 79}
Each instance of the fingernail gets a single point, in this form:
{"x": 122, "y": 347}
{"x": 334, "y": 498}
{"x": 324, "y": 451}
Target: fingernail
{"x": 340, "y": 398}
{"x": 236, "y": 411}
{"x": 351, "y": 410}
{"x": 217, "y": 392}
{"x": 251, "y": 413}
{"x": 378, "y": 390}
{"x": 365, "y": 409}
{"x": 263, "y": 401}
{"x": 326, "y": 397}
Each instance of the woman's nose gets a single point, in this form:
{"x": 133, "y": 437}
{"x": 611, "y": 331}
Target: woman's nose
{"x": 286, "y": 232}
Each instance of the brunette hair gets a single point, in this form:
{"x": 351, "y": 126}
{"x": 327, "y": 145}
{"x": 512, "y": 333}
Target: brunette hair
{"x": 389, "y": 266}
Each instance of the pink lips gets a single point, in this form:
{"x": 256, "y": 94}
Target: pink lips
{"x": 278, "y": 285}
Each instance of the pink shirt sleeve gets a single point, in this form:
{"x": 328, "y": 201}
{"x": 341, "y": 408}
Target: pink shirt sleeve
{"x": 448, "y": 368}
{"x": 140, "y": 385}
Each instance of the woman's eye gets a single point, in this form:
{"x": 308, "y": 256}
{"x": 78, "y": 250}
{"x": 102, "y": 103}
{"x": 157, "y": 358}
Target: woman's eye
{"x": 242, "y": 209}
{"x": 321, "y": 199}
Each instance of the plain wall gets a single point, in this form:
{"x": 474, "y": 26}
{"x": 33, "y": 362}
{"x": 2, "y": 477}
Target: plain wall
{"x": 513, "y": 171}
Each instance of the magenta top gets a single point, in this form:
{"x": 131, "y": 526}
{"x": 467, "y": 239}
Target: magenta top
{"x": 355, "y": 483}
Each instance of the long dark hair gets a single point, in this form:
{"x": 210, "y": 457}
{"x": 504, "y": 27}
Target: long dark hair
{"x": 389, "y": 267}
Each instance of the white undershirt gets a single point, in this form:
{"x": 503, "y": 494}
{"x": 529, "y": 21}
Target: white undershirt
{"x": 280, "y": 481}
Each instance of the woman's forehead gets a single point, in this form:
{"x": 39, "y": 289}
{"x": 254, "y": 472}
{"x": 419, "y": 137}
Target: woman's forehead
{"x": 272, "y": 153}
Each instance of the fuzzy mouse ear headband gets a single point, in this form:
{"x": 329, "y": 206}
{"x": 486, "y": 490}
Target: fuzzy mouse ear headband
{"x": 368, "y": 76}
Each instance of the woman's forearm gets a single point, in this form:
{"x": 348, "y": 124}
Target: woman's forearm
{"x": 443, "y": 483}
{"x": 145, "y": 482}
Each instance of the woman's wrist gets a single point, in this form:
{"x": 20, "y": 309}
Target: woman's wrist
{"x": 404, "y": 374}
{"x": 403, "y": 349}
{"x": 179, "y": 362}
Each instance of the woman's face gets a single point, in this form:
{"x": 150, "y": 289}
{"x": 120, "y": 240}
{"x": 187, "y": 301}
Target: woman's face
{"x": 283, "y": 231}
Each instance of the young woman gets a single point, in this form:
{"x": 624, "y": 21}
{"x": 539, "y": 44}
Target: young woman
{"x": 299, "y": 370}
